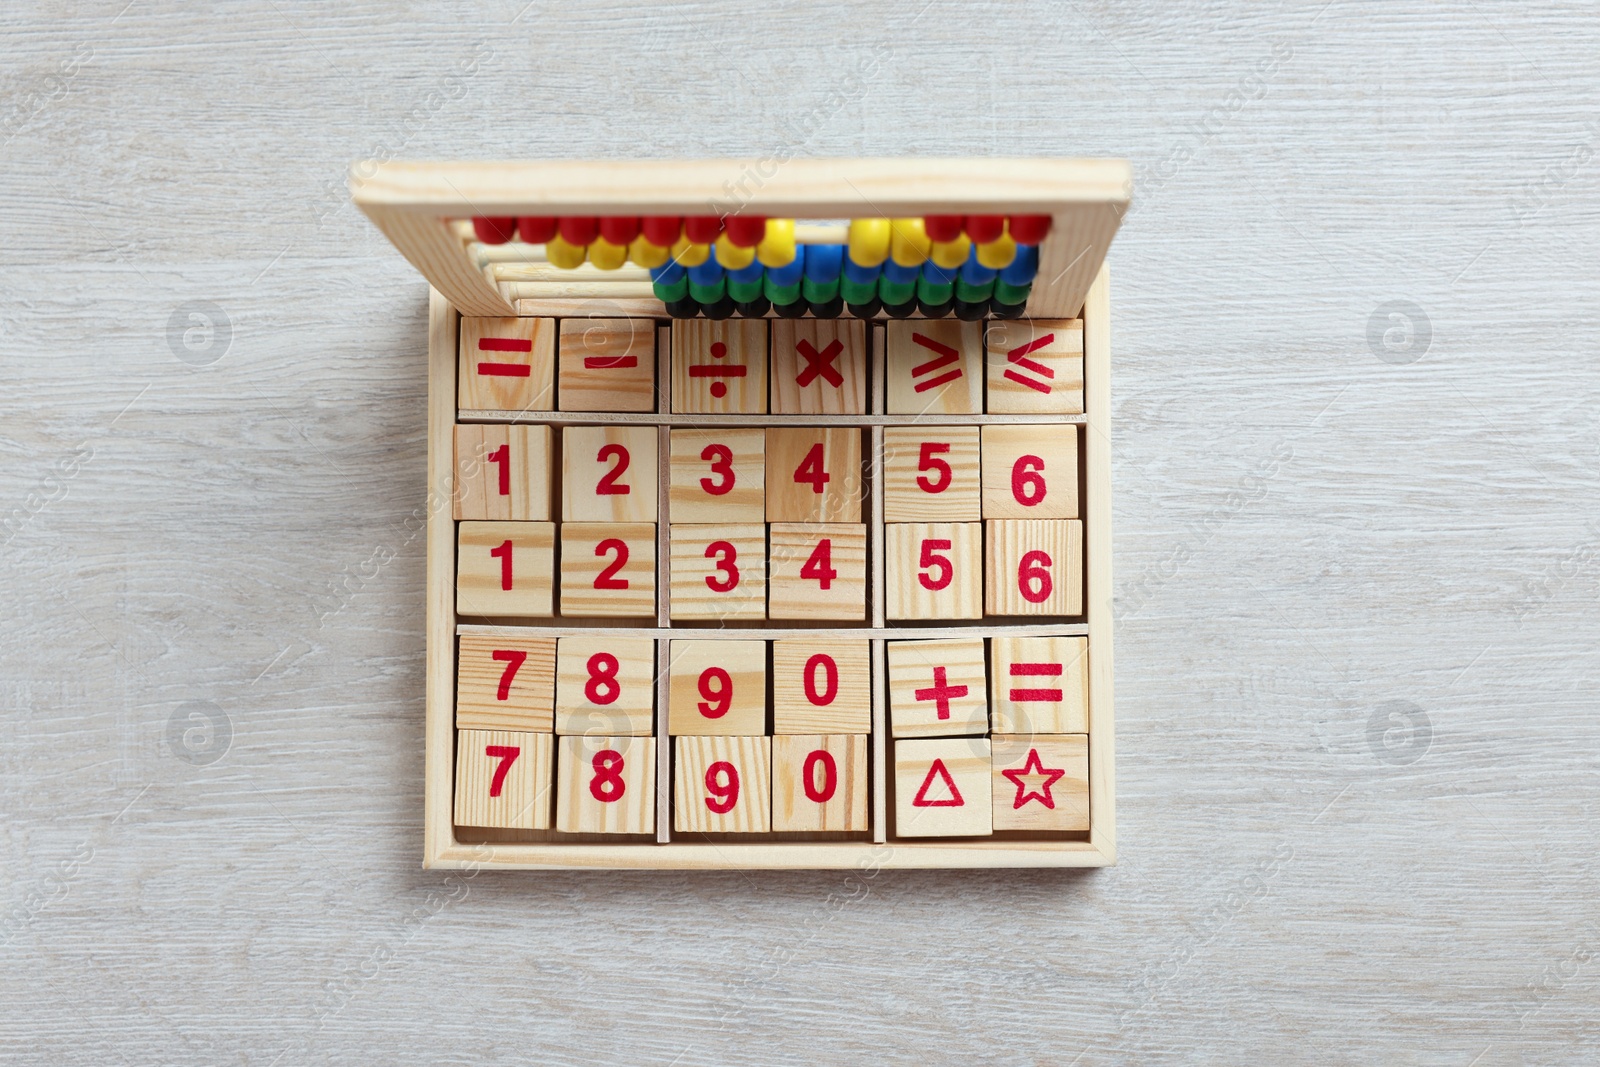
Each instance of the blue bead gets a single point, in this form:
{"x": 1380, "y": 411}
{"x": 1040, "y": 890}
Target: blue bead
{"x": 859, "y": 274}
{"x": 669, "y": 273}
{"x": 748, "y": 275}
{"x": 973, "y": 272}
{"x": 938, "y": 275}
{"x": 708, "y": 273}
{"x": 824, "y": 263}
{"x": 1023, "y": 268}
{"x": 898, "y": 275}
{"x": 790, "y": 273}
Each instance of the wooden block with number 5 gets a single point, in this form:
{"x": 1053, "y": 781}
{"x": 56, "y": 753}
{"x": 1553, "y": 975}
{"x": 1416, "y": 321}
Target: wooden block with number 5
{"x": 817, "y": 571}
{"x": 608, "y": 474}
{"x": 930, "y": 474}
{"x": 1041, "y": 782}
{"x": 821, "y": 685}
{"x": 819, "y": 783}
{"x": 718, "y": 571}
{"x": 605, "y": 785}
{"x": 722, "y": 785}
{"x": 607, "y": 365}
{"x": 1035, "y": 365}
{"x": 605, "y": 685}
{"x": 1039, "y": 685}
{"x": 507, "y": 364}
{"x": 1034, "y": 567}
{"x": 503, "y": 779}
{"x": 503, "y": 472}
{"x": 934, "y": 570}
{"x": 505, "y": 568}
{"x": 718, "y": 475}
{"x": 717, "y": 687}
{"x": 814, "y": 474}
{"x": 506, "y": 681}
{"x": 942, "y": 788}
{"x": 1030, "y": 472}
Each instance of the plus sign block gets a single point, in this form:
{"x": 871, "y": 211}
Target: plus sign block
{"x": 608, "y": 474}
{"x": 606, "y": 365}
{"x": 507, "y": 364}
{"x": 931, "y": 474}
{"x": 718, "y": 475}
{"x": 814, "y": 474}
{"x": 717, "y": 688}
{"x": 505, "y": 568}
{"x": 1041, "y": 782}
{"x": 503, "y": 779}
{"x": 937, "y": 688}
{"x": 1030, "y": 472}
{"x": 935, "y": 367}
{"x": 1035, "y": 365}
{"x": 1033, "y": 567}
{"x": 1039, "y": 685}
{"x": 505, "y": 681}
{"x": 605, "y": 686}
{"x": 819, "y": 366}
{"x": 722, "y": 785}
{"x": 503, "y": 472}
{"x": 606, "y": 785}
{"x": 719, "y": 368}
{"x": 608, "y": 570}
{"x": 943, "y": 788}
{"x": 819, "y": 783}
{"x": 934, "y": 570}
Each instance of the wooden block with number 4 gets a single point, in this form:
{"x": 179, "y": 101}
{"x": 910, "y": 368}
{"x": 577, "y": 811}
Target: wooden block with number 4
{"x": 607, "y": 365}
{"x": 817, "y": 571}
{"x": 819, "y": 783}
{"x": 506, "y": 681}
{"x": 934, "y": 570}
{"x": 605, "y": 785}
{"x": 507, "y": 364}
{"x": 821, "y": 685}
{"x": 943, "y": 788}
{"x": 931, "y": 474}
{"x": 718, "y": 475}
{"x": 1030, "y": 472}
{"x": 505, "y": 568}
{"x": 814, "y": 474}
{"x": 717, "y": 687}
{"x": 608, "y": 474}
{"x": 503, "y": 779}
{"x": 608, "y": 569}
{"x": 936, "y": 688}
{"x": 503, "y": 472}
{"x": 1035, "y": 365}
{"x": 1041, "y": 782}
{"x": 819, "y": 366}
{"x": 722, "y": 785}
{"x": 1033, "y": 567}
{"x": 605, "y": 685}
{"x": 719, "y": 571}
{"x": 1039, "y": 685}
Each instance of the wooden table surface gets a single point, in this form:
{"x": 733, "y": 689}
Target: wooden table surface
{"x": 1356, "y": 529}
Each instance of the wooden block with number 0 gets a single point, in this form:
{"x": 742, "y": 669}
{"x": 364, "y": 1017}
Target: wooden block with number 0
{"x": 821, "y": 685}
{"x": 1041, "y": 782}
{"x": 718, "y": 475}
{"x": 943, "y": 788}
{"x": 608, "y": 569}
{"x": 1030, "y": 472}
{"x": 934, "y": 570}
{"x": 817, "y": 571}
{"x": 931, "y": 474}
{"x": 506, "y": 681}
{"x": 608, "y": 474}
{"x": 936, "y": 688}
{"x": 503, "y": 472}
{"x": 819, "y": 783}
{"x": 935, "y": 367}
{"x": 607, "y": 365}
{"x": 507, "y": 364}
{"x": 814, "y": 474}
{"x": 1039, "y": 685}
{"x": 1033, "y": 567}
{"x": 719, "y": 571}
{"x": 503, "y": 779}
{"x": 819, "y": 366}
{"x": 722, "y": 785}
{"x": 605, "y": 685}
{"x": 505, "y": 568}
{"x": 605, "y": 785}
{"x": 719, "y": 367}
{"x": 1035, "y": 365}
{"x": 716, "y": 687}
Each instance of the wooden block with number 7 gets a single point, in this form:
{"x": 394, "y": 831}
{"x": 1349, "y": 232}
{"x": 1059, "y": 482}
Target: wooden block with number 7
{"x": 608, "y": 569}
{"x": 819, "y": 783}
{"x": 505, "y": 568}
{"x": 503, "y": 779}
{"x": 605, "y": 685}
{"x": 506, "y": 681}
{"x": 717, "y": 687}
{"x": 817, "y": 571}
{"x": 1034, "y": 567}
{"x": 1030, "y": 472}
{"x": 605, "y": 785}
{"x": 722, "y": 785}
{"x": 503, "y": 472}
{"x": 943, "y": 788}
{"x": 814, "y": 474}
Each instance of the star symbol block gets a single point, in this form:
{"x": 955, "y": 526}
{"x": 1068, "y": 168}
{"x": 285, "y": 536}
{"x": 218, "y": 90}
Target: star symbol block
{"x": 1041, "y": 782}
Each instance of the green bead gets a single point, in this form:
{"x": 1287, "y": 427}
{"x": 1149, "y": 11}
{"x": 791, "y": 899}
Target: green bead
{"x": 896, "y": 293}
{"x": 819, "y": 292}
{"x": 1012, "y": 294}
{"x": 709, "y": 294}
{"x": 667, "y": 292}
{"x": 968, "y": 293}
{"x": 780, "y": 294}
{"x": 744, "y": 292}
{"x": 858, "y": 292}
{"x": 934, "y": 292}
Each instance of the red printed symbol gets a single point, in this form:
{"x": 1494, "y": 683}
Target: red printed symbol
{"x": 952, "y": 800}
{"x": 820, "y": 364}
{"x": 941, "y": 693}
{"x": 1031, "y": 670}
{"x": 1019, "y": 356}
{"x": 1034, "y": 770}
{"x": 718, "y": 370}
{"x": 505, "y": 344}
{"x": 609, "y": 362}
{"x": 946, "y": 356}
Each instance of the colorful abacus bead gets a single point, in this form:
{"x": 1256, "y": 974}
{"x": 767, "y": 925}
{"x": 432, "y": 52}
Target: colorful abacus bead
{"x": 702, "y": 229}
{"x": 908, "y": 242}
{"x": 745, "y": 284}
{"x": 690, "y": 253}
{"x": 646, "y": 253}
{"x": 869, "y": 241}
{"x": 1021, "y": 270}
{"x": 781, "y": 286}
{"x": 607, "y": 256}
{"x": 496, "y": 230}
{"x": 952, "y": 253}
{"x": 791, "y": 272}
{"x": 942, "y": 228}
{"x": 899, "y": 298}
{"x": 578, "y": 229}
{"x": 1010, "y": 301}
{"x": 619, "y": 229}
{"x": 984, "y": 228}
{"x": 998, "y": 253}
{"x": 560, "y": 252}
{"x": 734, "y": 256}
{"x": 745, "y": 231}
{"x": 536, "y": 229}
{"x": 1029, "y": 229}
{"x": 936, "y": 290}
{"x": 663, "y": 230}
{"x": 824, "y": 267}
{"x": 670, "y": 283}
{"x": 777, "y": 247}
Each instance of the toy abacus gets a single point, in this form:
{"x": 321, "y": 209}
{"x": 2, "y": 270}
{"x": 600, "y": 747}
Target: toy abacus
{"x": 769, "y": 510}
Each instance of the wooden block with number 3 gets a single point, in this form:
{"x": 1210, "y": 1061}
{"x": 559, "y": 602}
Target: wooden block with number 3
{"x": 1033, "y": 567}
{"x": 608, "y": 474}
{"x": 503, "y": 779}
{"x": 505, "y": 568}
{"x": 605, "y": 685}
{"x": 1041, "y": 782}
{"x": 507, "y": 364}
{"x": 608, "y": 569}
{"x": 503, "y": 472}
{"x": 814, "y": 474}
{"x": 606, "y": 785}
{"x": 819, "y": 783}
{"x": 606, "y": 365}
{"x": 1035, "y": 365}
{"x": 717, "y": 687}
{"x": 934, "y": 570}
{"x": 943, "y": 788}
{"x": 722, "y": 785}
{"x": 819, "y": 366}
{"x": 821, "y": 685}
{"x": 931, "y": 474}
{"x": 1030, "y": 472}
{"x": 817, "y": 571}
{"x": 719, "y": 571}
{"x": 718, "y": 475}
{"x": 506, "y": 681}
{"x": 936, "y": 688}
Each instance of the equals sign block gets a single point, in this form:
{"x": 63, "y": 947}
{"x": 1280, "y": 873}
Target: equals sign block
{"x": 504, "y": 344}
{"x": 1018, "y": 357}
{"x": 1035, "y": 670}
{"x": 718, "y": 371}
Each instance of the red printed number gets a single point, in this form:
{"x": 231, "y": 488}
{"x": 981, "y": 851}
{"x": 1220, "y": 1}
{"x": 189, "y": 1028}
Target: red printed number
{"x": 717, "y": 688}
{"x": 501, "y": 457}
{"x": 931, "y": 560}
{"x": 602, "y": 687}
{"x": 513, "y": 659}
{"x": 810, "y": 472}
{"x": 725, "y": 555}
{"x": 820, "y": 794}
{"x": 607, "y": 578}
{"x": 722, "y": 787}
{"x": 608, "y": 482}
{"x": 1033, "y": 577}
{"x": 819, "y": 564}
{"x": 507, "y": 755}
{"x": 930, "y": 461}
{"x": 721, "y": 459}
{"x": 1027, "y": 483}
{"x": 503, "y": 554}
{"x": 607, "y": 785}
{"x": 830, "y": 679}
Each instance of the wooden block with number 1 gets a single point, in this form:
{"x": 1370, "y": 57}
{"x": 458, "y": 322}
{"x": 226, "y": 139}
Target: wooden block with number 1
{"x": 819, "y": 783}
{"x": 507, "y": 364}
{"x": 943, "y": 788}
{"x": 608, "y": 569}
{"x": 817, "y": 571}
{"x": 719, "y": 571}
{"x": 503, "y": 472}
{"x": 931, "y": 474}
{"x": 606, "y": 785}
{"x": 716, "y": 687}
{"x": 718, "y": 475}
{"x": 934, "y": 570}
{"x": 607, "y": 365}
{"x": 503, "y": 779}
{"x": 1033, "y": 567}
{"x": 505, "y": 568}
{"x": 722, "y": 785}
{"x": 608, "y": 474}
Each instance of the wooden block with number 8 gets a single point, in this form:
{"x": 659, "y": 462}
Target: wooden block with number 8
{"x": 606, "y": 785}
{"x": 717, "y": 687}
{"x": 1030, "y": 472}
{"x": 503, "y": 472}
{"x": 1035, "y": 365}
{"x": 722, "y": 785}
{"x": 931, "y": 474}
{"x": 505, "y": 568}
{"x": 814, "y": 474}
{"x": 718, "y": 475}
{"x": 1041, "y": 782}
{"x": 943, "y": 788}
{"x": 934, "y": 570}
{"x": 506, "y": 681}
{"x": 607, "y": 365}
{"x": 1034, "y": 567}
{"x": 605, "y": 686}
{"x": 817, "y": 571}
{"x": 608, "y": 569}
{"x": 821, "y": 685}
{"x": 1039, "y": 685}
{"x": 608, "y": 474}
{"x": 718, "y": 571}
{"x": 819, "y": 366}
{"x": 503, "y": 779}
{"x": 507, "y": 364}
{"x": 936, "y": 688}
{"x": 819, "y": 783}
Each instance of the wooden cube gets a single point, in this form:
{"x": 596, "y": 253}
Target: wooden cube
{"x": 505, "y": 568}
{"x": 606, "y": 785}
{"x": 817, "y": 571}
{"x": 606, "y": 365}
{"x": 1033, "y": 567}
{"x": 718, "y": 475}
{"x": 1035, "y": 365}
{"x": 814, "y": 474}
{"x": 942, "y": 788}
{"x": 506, "y": 681}
{"x": 819, "y": 366}
{"x": 719, "y": 367}
{"x": 819, "y": 783}
{"x": 935, "y": 367}
{"x": 717, "y": 687}
{"x": 507, "y": 364}
{"x": 503, "y": 779}
{"x": 1039, "y": 685}
{"x": 605, "y": 686}
{"x": 934, "y": 570}
{"x": 722, "y": 785}
{"x": 503, "y": 472}
{"x": 608, "y": 474}
{"x": 608, "y": 569}
{"x": 936, "y": 688}
{"x": 719, "y": 571}
{"x": 821, "y": 685}
{"x": 1041, "y": 782}
{"x": 1030, "y": 472}
{"x": 931, "y": 474}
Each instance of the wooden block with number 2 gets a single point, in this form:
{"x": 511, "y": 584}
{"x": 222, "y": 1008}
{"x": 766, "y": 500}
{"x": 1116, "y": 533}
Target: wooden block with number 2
{"x": 608, "y": 474}
{"x": 608, "y": 569}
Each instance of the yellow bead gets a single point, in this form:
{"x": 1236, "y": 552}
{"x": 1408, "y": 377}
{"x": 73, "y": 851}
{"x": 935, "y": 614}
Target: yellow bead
{"x": 689, "y": 254}
{"x": 732, "y": 256}
{"x": 563, "y": 255}
{"x": 777, "y": 247}
{"x": 607, "y": 256}
{"x": 998, "y": 254}
{"x": 951, "y": 254}
{"x": 645, "y": 254}
{"x": 909, "y": 244}
{"x": 869, "y": 241}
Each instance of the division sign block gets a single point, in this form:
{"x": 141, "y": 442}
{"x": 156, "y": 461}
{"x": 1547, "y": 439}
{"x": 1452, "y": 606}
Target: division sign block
{"x": 819, "y": 783}
{"x": 608, "y": 569}
{"x": 605, "y": 686}
{"x": 1039, "y": 685}
{"x": 817, "y": 571}
{"x": 506, "y": 681}
{"x": 505, "y": 568}
{"x": 814, "y": 474}
{"x": 935, "y": 367}
{"x": 936, "y": 688}
{"x": 719, "y": 367}
{"x": 605, "y": 785}
{"x": 718, "y": 475}
{"x": 1041, "y": 782}
{"x": 722, "y": 785}
{"x": 503, "y": 779}
{"x": 717, "y": 687}
{"x": 934, "y": 570}
{"x": 503, "y": 472}
{"x": 931, "y": 474}
{"x": 606, "y": 365}
{"x": 507, "y": 364}
{"x": 1033, "y": 567}
{"x": 819, "y": 366}
{"x": 1035, "y": 365}
{"x": 821, "y": 685}
{"x": 942, "y": 788}
{"x": 608, "y": 474}
{"x": 719, "y": 571}
{"x": 1030, "y": 472}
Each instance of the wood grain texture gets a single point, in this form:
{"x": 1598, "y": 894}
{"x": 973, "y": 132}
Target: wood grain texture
{"x": 1309, "y": 540}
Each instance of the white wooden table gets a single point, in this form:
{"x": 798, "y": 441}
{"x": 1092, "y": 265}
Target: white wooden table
{"x": 1358, "y": 544}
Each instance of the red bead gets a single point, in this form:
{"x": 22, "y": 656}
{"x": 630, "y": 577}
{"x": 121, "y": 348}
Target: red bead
{"x": 985, "y": 228}
{"x": 663, "y": 230}
{"x": 746, "y": 231}
{"x": 495, "y": 231}
{"x": 619, "y": 229}
{"x": 580, "y": 230}
{"x": 536, "y": 229}
{"x": 942, "y": 227}
{"x": 702, "y": 229}
{"x": 1029, "y": 229}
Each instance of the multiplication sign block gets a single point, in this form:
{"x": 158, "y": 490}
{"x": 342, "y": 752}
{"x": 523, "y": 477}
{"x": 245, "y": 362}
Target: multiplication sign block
{"x": 605, "y": 785}
{"x": 507, "y": 364}
{"x": 718, "y": 475}
{"x": 1035, "y": 365}
{"x": 503, "y": 779}
{"x": 934, "y": 570}
{"x": 814, "y": 474}
{"x": 817, "y": 571}
{"x": 506, "y": 681}
{"x": 716, "y": 687}
{"x": 819, "y": 366}
{"x": 605, "y": 686}
{"x": 503, "y": 472}
{"x": 1033, "y": 567}
{"x": 936, "y": 688}
{"x": 722, "y": 785}
{"x": 608, "y": 474}
{"x": 719, "y": 368}
{"x": 819, "y": 783}
{"x": 931, "y": 474}
{"x": 606, "y": 365}
{"x": 1041, "y": 782}
{"x": 821, "y": 685}
{"x": 1039, "y": 685}
{"x": 943, "y": 788}
{"x": 935, "y": 367}
{"x": 505, "y": 568}
{"x": 1030, "y": 472}
{"x": 718, "y": 571}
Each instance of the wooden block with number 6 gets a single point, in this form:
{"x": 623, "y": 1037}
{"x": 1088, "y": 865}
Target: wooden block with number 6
{"x": 1030, "y": 472}
{"x": 718, "y": 571}
{"x": 936, "y": 688}
{"x": 931, "y": 474}
{"x": 503, "y": 779}
{"x": 608, "y": 569}
{"x": 718, "y": 475}
{"x": 503, "y": 472}
{"x": 506, "y": 681}
{"x": 605, "y": 785}
{"x": 722, "y": 785}
{"x": 717, "y": 687}
{"x": 605, "y": 685}
{"x": 507, "y": 364}
{"x": 505, "y": 568}
{"x": 821, "y": 685}
{"x": 606, "y": 365}
{"x": 1034, "y": 567}
{"x": 608, "y": 474}
{"x": 1035, "y": 365}
{"x": 943, "y": 788}
{"x": 934, "y": 570}
{"x": 1039, "y": 685}
{"x": 819, "y": 783}
{"x": 817, "y": 571}
{"x": 1041, "y": 782}
{"x": 814, "y": 474}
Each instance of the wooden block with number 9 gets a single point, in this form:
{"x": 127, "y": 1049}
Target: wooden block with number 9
{"x": 605, "y": 686}
{"x": 608, "y": 569}
{"x": 722, "y": 785}
{"x": 717, "y": 687}
{"x": 1035, "y": 567}
{"x": 505, "y": 568}
{"x": 506, "y": 681}
{"x": 718, "y": 475}
{"x": 606, "y": 785}
{"x": 817, "y": 571}
{"x": 1030, "y": 472}
{"x": 719, "y": 571}
{"x": 503, "y": 779}
{"x": 819, "y": 782}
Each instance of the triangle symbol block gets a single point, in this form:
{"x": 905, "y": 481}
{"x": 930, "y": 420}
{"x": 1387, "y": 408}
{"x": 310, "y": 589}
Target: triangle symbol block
{"x": 953, "y": 800}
